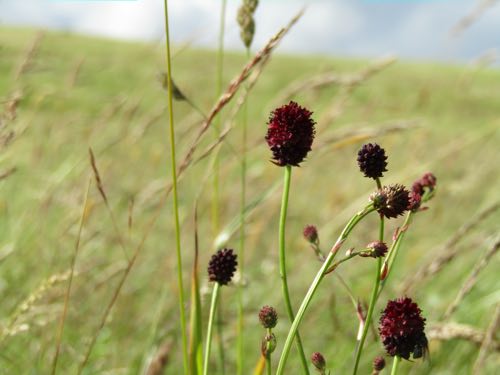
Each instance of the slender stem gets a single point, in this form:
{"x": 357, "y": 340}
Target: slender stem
{"x": 268, "y": 364}
{"x": 393, "y": 251}
{"x": 395, "y": 365}
{"x": 314, "y": 285}
{"x": 173, "y": 167}
{"x": 282, "y": 259}
{"x": 70, "y": 281}
{"x": 240, "y": 346}
{"x": 211, "y": 318}
{"x": 373, "y": 299}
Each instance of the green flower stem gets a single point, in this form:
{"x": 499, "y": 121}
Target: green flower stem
{"x": 268, "y": 365}
{"x": 393, "y": 251}
{"x": 282, "y": 259}
{"x": 374, "y": 296}
{"x": 173, "y": 167}
{"x": 211, "y": 317}
{"x": 373, "y": 301}
{"x": 314, "y": 286}
{"x": 395, "y": 365}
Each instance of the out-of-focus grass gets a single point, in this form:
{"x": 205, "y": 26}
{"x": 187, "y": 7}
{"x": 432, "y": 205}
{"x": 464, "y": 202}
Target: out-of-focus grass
{"x": 117, "y": 107}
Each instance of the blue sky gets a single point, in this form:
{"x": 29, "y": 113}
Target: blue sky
{"x": 416, "y": 29}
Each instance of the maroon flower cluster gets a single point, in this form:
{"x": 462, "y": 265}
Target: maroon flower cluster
{"x": 378, "y": 364}
{"x": 318, "y": 361}
{"x": 402, "y": 329}
{"x": 419, "y": 187}
{"x": 222, "y": 266}
{"x": 311, "y": 234}
{"x": 391, "y": 201}
{"x": 268, "y": 317}
{"x": 290, "y": 134}
{"x": 376, "y": 249}
{"x": 372, "y": 160}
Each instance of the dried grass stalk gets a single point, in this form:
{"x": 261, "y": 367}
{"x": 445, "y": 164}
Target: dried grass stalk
{"x": 454, "y": 331}
{"x": 233, "y": 88}
{"x": 472, "y": 279}
{"x": 30, "y": 55}
{"x": 488, "y": 342}
{"x": 465, "y": 22}
{"x": 445, "y": 253}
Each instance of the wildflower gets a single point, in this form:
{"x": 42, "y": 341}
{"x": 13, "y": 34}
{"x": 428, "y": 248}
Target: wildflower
{"x": 375, "y": 249}
{"x": 415, "y": 201}
{"x": 391, "y": 201}
{"x": 290, "y": 134}
{"x": 372, "y": 160}
{"x": 268, "y": 317}
{"x": 222, "y": 266}
{"x": 427, "y": 181}
{"x": 311, "y": 234}
{"x": 402, "y": 329}
{"x": 378, "y": 363}
{"x": 318, "y": 361}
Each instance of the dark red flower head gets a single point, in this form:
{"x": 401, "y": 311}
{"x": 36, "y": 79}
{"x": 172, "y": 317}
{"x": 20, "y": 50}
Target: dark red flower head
{"x": 427, "y": 181}
{"x": 318, "y": 361}
{"x": 268, "y": 317}
{"x": 376, "y": 249}
{"x": 415, "y": 201}
{"x": 391, "y": 201}
{"x": 290, "y": 134}
{"x": 372, "y": 160}
{"x": 222, "y": 266}
{"x": 311, "y": 234}
{"x": 402, "y": 329}
{"x": 378, "y": 363}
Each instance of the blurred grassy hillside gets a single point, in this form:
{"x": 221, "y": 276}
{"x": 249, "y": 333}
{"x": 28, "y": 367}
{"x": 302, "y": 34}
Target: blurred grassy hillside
{"x": 73, "y": 92}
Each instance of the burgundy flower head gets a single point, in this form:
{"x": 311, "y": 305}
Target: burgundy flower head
{"x": 268, "y": 317}
{"x": 415, "y": 201}
{"x": 222, "y": 266}
{"x": 290, "y": 134}
{"x": 402, "y": 329}
{"x": 427, "y": 181}
{"x": 311, "y": 234}
{"x": 376, "y": 249}
{"x": 378, "y": 363}
{"x": 372, "y": 160}
{"x": 391, "y": 201}
{"x": 318, "y": 361}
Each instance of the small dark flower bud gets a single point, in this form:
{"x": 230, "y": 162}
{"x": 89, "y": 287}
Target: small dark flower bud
{"x": 318, "y": 361}
{"x": 268, "y": 317}
{"x": 401, "y": 329}
{"x": 372, "y": 160}
{"x": 222, "y": 266}
{"x": 290, "y": 134}
{"x": 427, "y": 181}
{"x": 378, "y": 363}
{"x": 311, "y": 234}
{"x": 415, "y": 201}
{"x": 377, "y": 249}
{"x": 391, "y": 201}
{"x": 268, "y": 344}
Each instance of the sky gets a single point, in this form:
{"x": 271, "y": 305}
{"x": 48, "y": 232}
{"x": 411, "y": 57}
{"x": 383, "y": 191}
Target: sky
{"x": 412, "y": 29}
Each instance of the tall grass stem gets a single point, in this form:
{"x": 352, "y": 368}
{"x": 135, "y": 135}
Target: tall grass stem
{"x": 173, "y": 168}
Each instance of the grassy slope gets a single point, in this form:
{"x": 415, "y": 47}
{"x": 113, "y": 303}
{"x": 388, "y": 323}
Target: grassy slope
{"x": 116, "y": 97}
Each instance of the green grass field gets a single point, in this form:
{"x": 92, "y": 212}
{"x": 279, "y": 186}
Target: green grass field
{"x": 77, "y": 92}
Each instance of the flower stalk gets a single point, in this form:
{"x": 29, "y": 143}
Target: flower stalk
{"x": 395, "y": 365}
{"x": 211, "y": 318}
{"x": 315, "y": 284}
{"x": 282, "y": 261}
